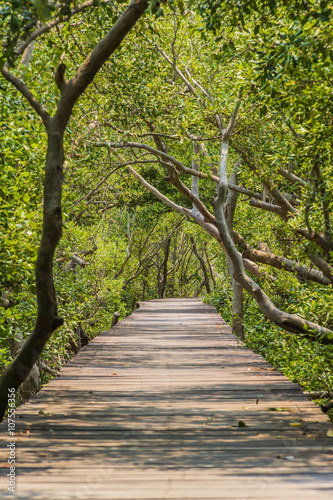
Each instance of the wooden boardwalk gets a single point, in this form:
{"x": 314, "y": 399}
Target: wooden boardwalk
{"x": 155, "y": 409}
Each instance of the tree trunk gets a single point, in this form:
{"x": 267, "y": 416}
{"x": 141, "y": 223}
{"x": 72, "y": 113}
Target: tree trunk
{"x": 47, "y": 317}
{"x": 237, "y": 289}
{"x": 203, "y": 265}
{"x": 162, "y": 272}
{"x": 237, "y": 306}
{"x": 211, "y": 272}
{"x": 174, "y": 258}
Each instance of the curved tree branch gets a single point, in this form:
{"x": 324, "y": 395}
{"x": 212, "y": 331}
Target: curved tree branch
{"x": 98, "y": 56}
{"x": 271, "y": 259}
{"x": 289, "y": 322}
{"x": 137, "y": 145}
{"x": 269, "y": 207}
{"x": 23, "y": 89}
{"x": 47, "y": 27}
{"x": 292, "y": 177}
{"x": 242, "y": 190}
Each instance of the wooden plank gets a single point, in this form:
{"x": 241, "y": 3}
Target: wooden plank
{"x": 152, "y": 409}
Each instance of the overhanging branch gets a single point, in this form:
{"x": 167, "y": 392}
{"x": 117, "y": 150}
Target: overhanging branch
{"x": 289, "y": 322}
{"x": 23, "y": 89}
{"x": 47, "y": 27}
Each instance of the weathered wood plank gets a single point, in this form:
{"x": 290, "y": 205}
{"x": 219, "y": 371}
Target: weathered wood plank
{"x": 152, "y": 409}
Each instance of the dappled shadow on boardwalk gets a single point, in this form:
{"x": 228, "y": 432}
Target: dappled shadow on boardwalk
{"x": 140, "y": 430}
{"x": 172, "y": 409}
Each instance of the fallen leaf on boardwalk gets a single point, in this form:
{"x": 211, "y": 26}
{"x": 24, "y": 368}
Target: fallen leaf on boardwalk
{"x": 278, "y": 409}
{"x": 241, "y": 424}
{"x": 295, "y": 423}
{"x": 329, "y": 433}
{"x": 114, "y": 373}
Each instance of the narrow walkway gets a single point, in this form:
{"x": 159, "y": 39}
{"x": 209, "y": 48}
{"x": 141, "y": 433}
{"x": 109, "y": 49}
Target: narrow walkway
{"x": 169, "y": 405}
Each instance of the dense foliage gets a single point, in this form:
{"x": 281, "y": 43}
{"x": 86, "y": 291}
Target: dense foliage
{"x": 176, "y": 75}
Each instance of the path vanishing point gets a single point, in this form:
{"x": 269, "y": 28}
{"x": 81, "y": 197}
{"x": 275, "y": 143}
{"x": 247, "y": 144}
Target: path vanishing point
{"x": 170, "y": 405}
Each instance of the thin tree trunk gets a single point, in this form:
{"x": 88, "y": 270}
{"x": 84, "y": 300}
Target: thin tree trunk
{"x": 202, "y": 264}
{"x": 162, "y": 272}
{"x": 237, "y": 304}
{"x": 209, "y": 265}
{"x": 174, "y": 264}
{"x": 237, "y": 289}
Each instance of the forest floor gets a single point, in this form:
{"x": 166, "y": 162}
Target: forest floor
{"x": 170, "y": 405}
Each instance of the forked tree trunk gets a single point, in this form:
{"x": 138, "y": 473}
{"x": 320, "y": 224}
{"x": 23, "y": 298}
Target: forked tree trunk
{"x": 47, "y": 317}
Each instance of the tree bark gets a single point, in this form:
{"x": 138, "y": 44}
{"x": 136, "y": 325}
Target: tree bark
{"x": 271, "y": 259}
{"x": 162, "y": 270}
{"x": 289, "y": 322}
{"x": 237, "y": 289}
{"x": 202, "y": 264}
{"x": 47, "y": 317}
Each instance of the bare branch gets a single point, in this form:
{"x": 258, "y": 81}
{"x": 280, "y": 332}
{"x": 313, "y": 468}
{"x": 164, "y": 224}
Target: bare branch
{"x": 23, "y": 89}
{"x": 195, "y": 180}
{"x": 202, "y": 211}
{"x": 47, "y": 27}
{"x": 269, "y": 207}
{"x": 317, "y": 238}
{"x": 225, "y": 143}
{"x": 158, "y": 194}
{"x": 208, "y": 227}
{"x": 27, "y": 54}
{"x": 324, "y": 201}
{"x": 177, "y": 70}
{"x": 166, "y": 136}
{"x": 195, "y": 82}
{"x": 289, "y": 322}
{"x": 242, "y": 190}
{"x": 231, "y": 125}
{"x": 324, "y": 266}
{"x": 269, "y": 258}
{"x": 292, "y": 177}
{"x": 179, "y": 166}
